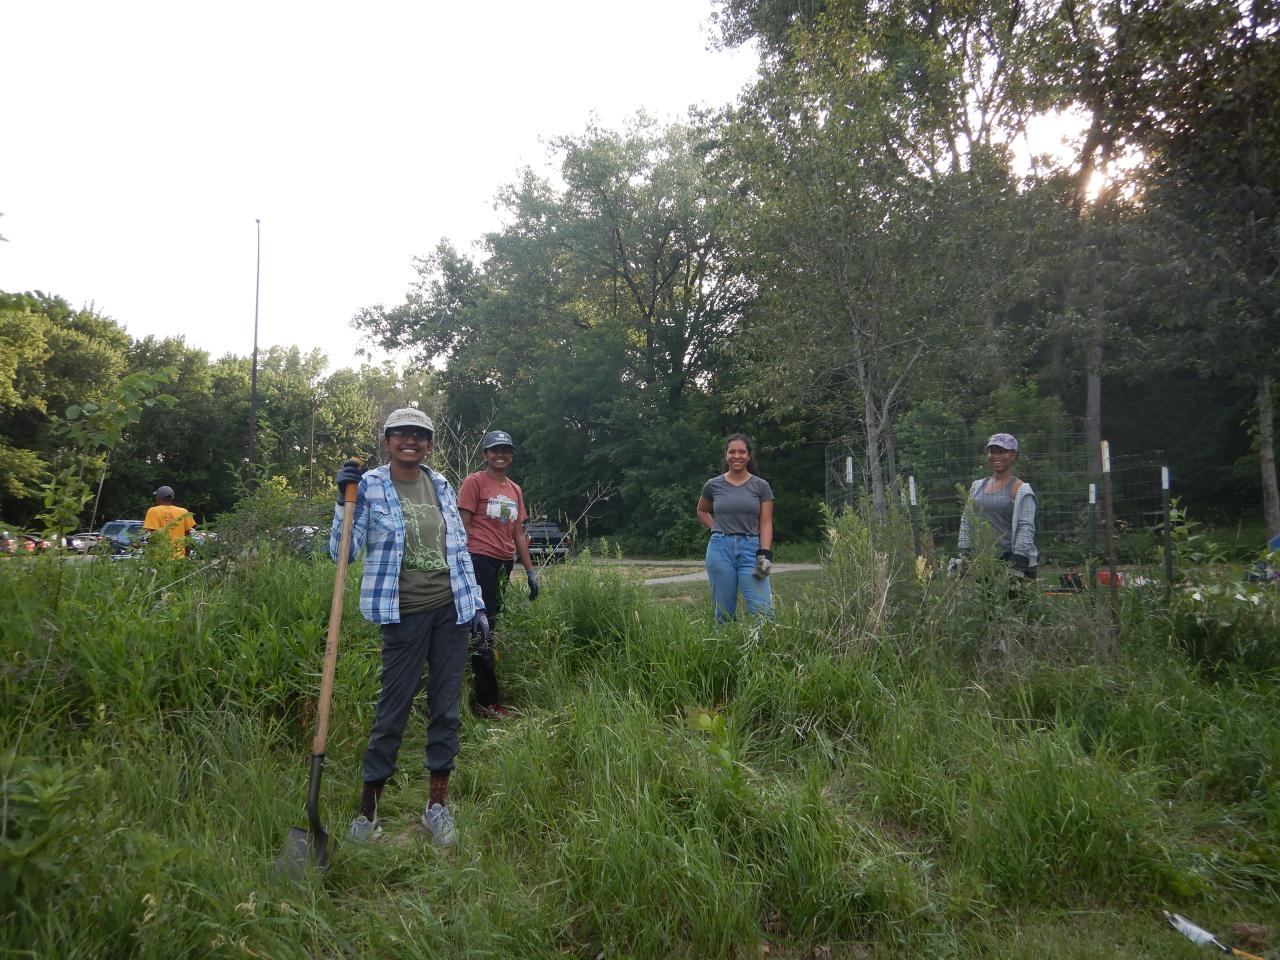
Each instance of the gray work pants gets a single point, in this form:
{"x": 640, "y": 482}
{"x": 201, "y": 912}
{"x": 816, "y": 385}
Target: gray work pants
{"x": 432, "y": 640}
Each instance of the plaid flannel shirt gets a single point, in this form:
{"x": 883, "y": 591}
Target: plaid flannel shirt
{"x": 378, "y": 526}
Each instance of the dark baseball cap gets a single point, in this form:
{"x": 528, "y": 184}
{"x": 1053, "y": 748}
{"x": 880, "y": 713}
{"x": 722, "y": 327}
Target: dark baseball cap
{"x": 497, "y": 438}
{"x": 164, "y": 493}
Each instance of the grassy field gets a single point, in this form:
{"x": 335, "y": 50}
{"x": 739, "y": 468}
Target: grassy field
{"x": 891, "y": 766}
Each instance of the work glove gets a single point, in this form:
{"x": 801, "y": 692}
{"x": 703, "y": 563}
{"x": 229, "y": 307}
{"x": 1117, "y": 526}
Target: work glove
{"x": 349, "y": 472}
{"x": 957, "y": 565}
{"x": 764, "y": 563}
{"x": 533, "y": 586}
{"x": 1019, "y": 564}
{"x": 480, "y": 628}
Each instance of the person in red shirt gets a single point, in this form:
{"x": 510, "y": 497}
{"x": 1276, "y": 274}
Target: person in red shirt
{"x": 492, "y": 509}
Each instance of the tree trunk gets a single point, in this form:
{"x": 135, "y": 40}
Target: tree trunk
{"x": 874, "y": 470}
{"x": 1267, "y": 455}
{"x": 890, "y": 457}
{"x": 1093, "y": 351}
{"x": 1093, "y": 399}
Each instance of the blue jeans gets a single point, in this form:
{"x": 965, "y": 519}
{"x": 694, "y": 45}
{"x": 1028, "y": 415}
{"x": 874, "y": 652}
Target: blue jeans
{"x": 730, "y": 562}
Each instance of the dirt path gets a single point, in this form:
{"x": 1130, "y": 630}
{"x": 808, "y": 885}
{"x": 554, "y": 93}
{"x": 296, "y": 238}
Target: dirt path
{"x": 701, "y": 574}
{"x": 697, "y": 568}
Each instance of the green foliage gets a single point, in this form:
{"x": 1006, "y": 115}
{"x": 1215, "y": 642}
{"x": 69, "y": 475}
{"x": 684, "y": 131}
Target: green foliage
{"x": 271, "y": 518}
{"x": 668, "y": 788}
{"x": 90, "y": 431}
{"x": 41, "y": 812}
{"x": 50, "y": 358}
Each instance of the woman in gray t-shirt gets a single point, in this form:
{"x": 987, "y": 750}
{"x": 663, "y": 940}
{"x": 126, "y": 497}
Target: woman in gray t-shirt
{"x": 737, "y": 507}
{"x": 1007, "y": 505}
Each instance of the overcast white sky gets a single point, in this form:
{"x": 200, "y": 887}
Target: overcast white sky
{"x": 144, "y": 138}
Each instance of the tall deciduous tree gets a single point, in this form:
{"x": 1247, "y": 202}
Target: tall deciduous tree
{"x": 1210, "y": 128}
{"x": 621, "y": 279}
{"x": 877, "y": 196}
{"x": 51, "y": 356}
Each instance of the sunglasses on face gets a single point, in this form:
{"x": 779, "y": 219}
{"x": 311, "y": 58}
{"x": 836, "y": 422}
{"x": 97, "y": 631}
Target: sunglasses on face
{"x": 416, "y": 433}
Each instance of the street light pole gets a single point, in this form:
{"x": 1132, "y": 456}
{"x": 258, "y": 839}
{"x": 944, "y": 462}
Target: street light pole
{"x": 253, "y": 372}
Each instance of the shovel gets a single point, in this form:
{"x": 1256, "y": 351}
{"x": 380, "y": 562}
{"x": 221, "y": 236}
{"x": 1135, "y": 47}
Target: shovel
{"x": 1203, "y": 937}
{"x": 304, "y": 848}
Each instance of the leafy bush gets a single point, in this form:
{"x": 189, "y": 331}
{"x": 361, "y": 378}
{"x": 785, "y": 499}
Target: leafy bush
{"x": 1219, "y": 617}
{"x": 38, "y": 825}
{"x": 270, "y": 518}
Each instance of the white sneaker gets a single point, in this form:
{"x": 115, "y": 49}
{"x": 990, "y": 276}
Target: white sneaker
{"x": 364, "y": 830}
{"x": 439, "y": 823}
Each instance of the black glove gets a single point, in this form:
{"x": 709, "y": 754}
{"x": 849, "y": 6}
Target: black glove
{"x": 349, "y": 472}
{"x": 480, "y": 627}
{"x": 533, "y": 586}
{"x": 764, "y": 563}
{"x": 966, "y": 553}
{"x": 1019, "y": 562}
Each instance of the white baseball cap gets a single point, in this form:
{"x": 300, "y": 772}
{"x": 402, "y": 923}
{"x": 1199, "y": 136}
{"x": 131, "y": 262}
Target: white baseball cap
{"x": 408, "y": 417}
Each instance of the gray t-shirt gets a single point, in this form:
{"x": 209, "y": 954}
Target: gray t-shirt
{"x": 736, "y": 510}
{"x": 997, "y": 508}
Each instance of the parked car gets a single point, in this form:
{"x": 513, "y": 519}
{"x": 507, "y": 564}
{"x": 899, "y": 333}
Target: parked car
{"x": 13, "y": 544}
{"x": 546, "y": 540}
{"x": 306, "y": 540}
{"x": 83, "y": 542}
{"x": 121, "y": 538}
{"x": 37, "y": 543}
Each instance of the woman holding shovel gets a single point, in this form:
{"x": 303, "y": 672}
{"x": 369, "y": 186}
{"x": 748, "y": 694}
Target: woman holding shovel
{"x": 419, "y": 586}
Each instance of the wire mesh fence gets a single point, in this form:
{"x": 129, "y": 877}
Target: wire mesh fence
{"x": 1061, "y": 468}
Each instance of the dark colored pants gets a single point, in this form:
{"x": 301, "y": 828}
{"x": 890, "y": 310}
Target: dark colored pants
{"x": 492, "y": 576}
{"x": 432, "y": 640}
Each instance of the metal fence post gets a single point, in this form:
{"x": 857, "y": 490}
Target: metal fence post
{"x": 1092, "y": 547}
{"x": 1168, "y": 534}
{"x": 1109, "y": 519}
{"x": 915, "y": 517}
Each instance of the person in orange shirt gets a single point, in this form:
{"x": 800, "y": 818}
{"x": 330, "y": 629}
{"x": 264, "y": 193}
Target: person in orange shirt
{"x": 175, "y": 521}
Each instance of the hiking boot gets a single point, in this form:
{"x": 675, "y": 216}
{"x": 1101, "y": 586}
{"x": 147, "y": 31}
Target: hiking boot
{"x": 439, "y": 823}
{"x": 364, "y": 830}
{"x": 492, "y": 711}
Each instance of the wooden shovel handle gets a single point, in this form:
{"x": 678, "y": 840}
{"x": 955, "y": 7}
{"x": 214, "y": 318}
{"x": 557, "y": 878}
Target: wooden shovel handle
{"x": 335, "y": 623}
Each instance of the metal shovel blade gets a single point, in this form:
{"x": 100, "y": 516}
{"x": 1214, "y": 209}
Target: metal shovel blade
{"x": 1193, "y": 933}
{"x": 309, "y": 848}
{"x": 303, "y": 851}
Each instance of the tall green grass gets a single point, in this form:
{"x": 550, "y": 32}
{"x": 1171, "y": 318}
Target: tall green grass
{"x": 895, "y": 763}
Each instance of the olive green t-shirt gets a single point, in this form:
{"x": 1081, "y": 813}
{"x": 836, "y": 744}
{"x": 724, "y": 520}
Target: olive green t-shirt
{"x": 424, "y": 572}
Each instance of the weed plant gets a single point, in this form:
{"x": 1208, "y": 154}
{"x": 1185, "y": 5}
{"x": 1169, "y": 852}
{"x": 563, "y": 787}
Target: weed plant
{"x": 897, "y": 762}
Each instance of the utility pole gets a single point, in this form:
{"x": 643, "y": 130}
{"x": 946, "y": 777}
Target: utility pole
{"x": 311, "y": 448}
{"x": 253, "y": 372}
